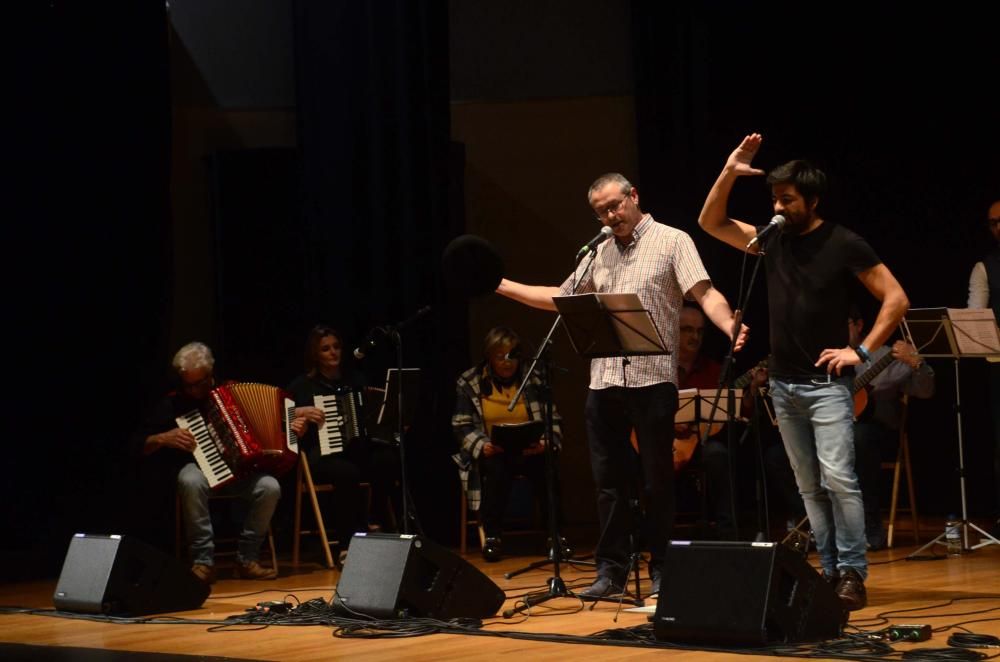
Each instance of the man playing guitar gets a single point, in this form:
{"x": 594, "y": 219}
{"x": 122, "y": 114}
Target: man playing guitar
{"x": 880, "y": 383}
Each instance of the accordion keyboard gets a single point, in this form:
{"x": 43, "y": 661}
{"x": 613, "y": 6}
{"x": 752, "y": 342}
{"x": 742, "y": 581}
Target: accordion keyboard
{"x": 206, "y": 453}
{"x": 342, "y": 414}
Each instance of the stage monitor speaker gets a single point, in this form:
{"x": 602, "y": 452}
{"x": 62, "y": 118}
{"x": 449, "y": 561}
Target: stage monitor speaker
{"x": 123, "y": 576}
{"x": 741, "y": 593}
{"x": 402, "y": 576}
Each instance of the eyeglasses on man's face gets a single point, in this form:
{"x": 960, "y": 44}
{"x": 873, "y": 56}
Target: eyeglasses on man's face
{"x": 610, "y": 208}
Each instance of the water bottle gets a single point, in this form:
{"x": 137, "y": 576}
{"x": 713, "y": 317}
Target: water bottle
{"x": 953, "y": 536}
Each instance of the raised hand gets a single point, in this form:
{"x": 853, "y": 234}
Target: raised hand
{"x": 739, "y": 161}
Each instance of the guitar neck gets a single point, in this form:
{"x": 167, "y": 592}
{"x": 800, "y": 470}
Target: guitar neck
{"x": 872, "y": 372}
{"x": 744, "y": 380}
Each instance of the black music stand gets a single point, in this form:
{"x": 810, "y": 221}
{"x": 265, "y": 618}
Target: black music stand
{"x": 389, "y": 409}
{"x": 395, "y": 415}
{"x": 954, "y": 333}
{"x": 612, "y": 325}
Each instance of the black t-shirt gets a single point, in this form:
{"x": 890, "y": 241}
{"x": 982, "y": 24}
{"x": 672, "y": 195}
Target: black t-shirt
{"x": 809, "y": 280}
{"x": 161, "y": 418}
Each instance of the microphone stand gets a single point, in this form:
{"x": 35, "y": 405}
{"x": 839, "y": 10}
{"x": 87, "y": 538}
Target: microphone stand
{"x": 396, "y": 338}
{"x": 726, "y": 378}
{"x": 556, "y": 585}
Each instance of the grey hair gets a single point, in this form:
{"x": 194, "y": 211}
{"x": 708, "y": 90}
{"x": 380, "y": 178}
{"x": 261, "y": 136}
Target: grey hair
{"x": 609, "y": 178}
{"x": 192, "y": 356}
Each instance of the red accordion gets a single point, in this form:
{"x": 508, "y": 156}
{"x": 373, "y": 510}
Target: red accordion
{"x": 241, "y": 429}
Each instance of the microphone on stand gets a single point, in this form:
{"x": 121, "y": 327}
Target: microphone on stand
{"x": 605, "y": 232}
{"x": 372, "y": 339}
{"x": 368, "y": 343}
{"x": 775, "y": 225}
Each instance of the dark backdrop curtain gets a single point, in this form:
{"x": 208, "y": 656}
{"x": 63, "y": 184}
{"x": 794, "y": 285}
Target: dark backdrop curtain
{"x": 86, "y": 267}
{"x": 880, "y": 101}
{"x": 372, "y": 97}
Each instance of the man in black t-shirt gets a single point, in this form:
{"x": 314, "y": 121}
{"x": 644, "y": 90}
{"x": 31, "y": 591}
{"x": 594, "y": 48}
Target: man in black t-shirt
{"x": 809, "y": 270}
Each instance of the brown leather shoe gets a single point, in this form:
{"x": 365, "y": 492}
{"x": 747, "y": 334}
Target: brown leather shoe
{"x": 254, "y": 570}
{"x": 205, "y": 573}
{"x": 851, "y": 590}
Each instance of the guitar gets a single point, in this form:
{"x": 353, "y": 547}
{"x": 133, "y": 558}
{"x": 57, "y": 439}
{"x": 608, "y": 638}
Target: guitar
{"x": 685, "y": 445}
{"x": 861, "y": 382}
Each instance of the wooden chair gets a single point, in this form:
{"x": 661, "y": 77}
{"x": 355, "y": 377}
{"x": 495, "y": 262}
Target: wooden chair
{"x": 304, "y": 485}
{"x": 468, "y": 518}
{"x": 898, "y": 467}
{"x": 179, "y": 533}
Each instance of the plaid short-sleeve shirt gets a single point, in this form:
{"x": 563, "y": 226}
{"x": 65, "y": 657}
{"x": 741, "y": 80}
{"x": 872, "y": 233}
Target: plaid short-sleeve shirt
{"x": 660, "y": 265}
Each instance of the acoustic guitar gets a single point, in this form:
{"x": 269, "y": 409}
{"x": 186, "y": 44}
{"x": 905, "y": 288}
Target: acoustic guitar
{"x": 861, "y": 382}
{"x": 685, "y": 445}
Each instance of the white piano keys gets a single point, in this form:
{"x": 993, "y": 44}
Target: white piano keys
{"x": 206, "y": 453}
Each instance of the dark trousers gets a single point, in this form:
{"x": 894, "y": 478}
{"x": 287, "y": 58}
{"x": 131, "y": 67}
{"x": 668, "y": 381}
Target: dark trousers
{"x": 611, "y": 414}
{"x": 781, "y": 480}
{"x": 345, "y": 506}
{"x": 873, "y": 442}
{"x": 497, "y": 475}
{"x": 379, "y": 464}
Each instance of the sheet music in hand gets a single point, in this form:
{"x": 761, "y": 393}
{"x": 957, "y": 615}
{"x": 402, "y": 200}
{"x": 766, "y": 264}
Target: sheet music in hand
{"x": 515, "y": 437}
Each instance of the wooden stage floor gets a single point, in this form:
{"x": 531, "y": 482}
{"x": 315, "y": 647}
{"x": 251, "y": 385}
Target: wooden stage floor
{"x": 894, "y": 585}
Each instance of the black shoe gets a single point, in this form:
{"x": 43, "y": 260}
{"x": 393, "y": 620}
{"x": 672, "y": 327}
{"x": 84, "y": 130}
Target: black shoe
{"x": 492, "y": 550}
{"x": 603, "y": 586}
{"x": 656, "y": 575}
{"x": 851, "y": 590}
{"x": 833, "y": 580}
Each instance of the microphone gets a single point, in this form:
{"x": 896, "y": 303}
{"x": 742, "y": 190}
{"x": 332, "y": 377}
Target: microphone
{"x": 372, "y": 338}
{"x": 775, "y": 225}
{"x": 605, "y": 232}
{"x": 368, "y": 343}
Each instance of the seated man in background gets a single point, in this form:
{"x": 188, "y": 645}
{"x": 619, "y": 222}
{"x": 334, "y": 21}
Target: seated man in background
{"x": 160, "y": 440}
{"x": 876, "y": 430}
{"x": 694, "y": 370}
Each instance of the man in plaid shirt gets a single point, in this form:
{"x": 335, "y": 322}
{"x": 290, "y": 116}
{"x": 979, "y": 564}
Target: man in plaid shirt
{"x": 662, "y": 266}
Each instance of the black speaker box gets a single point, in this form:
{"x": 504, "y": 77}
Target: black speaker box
{"x": 124, "y": 577}
{"x": 402, "y": 576}
{"x": 743, "y": 594}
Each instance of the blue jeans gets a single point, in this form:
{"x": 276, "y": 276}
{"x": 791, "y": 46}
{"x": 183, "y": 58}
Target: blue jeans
{"x": 260, "y": 492}
{"x": 816, "y": 424}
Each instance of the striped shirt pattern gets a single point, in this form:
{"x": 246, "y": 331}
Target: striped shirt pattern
{"x": 660, "y": 265}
